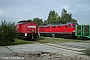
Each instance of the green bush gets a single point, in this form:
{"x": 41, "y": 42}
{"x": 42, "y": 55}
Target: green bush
{"x": 7, "y": 33}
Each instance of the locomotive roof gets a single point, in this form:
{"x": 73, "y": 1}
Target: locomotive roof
{"x": 56, "y": 24}
{"x": 23, "y": 21}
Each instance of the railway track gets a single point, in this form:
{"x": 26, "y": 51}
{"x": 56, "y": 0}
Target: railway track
{"x": 79, "y": 47}
{"x": 63, "y": 46}
{"x": 75, "y": 50}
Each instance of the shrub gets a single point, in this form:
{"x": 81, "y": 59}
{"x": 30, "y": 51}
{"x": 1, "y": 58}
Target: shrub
{"x": 7, "y": 33}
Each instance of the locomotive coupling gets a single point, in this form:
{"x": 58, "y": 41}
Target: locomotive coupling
{"x": 32, "y": 34}
{"x": 32, "y": 31}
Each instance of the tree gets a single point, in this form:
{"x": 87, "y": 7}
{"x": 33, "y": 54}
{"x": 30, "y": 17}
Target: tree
{"x": 7, "y": 33}
{"x": 38, "y": 21}
{"x": 30, "y": 20}
{"x": 53, "y": 17}
{"x": 57, "y": 18}
{"x": 45, "y": 22}
{"x": 66, "y": 17}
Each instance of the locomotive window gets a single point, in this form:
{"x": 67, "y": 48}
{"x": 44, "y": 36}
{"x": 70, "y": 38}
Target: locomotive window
{"x": 69, "y": 26}
{"x": 66, "y": 26}
{"x": 21, "y": 22}
{"x": 53, "y": 26}
{"x": 41, "y": 27}
{"x": 48, "y": 27}
{"x": 58, "y": 26}
{"x": 73, "y": 26}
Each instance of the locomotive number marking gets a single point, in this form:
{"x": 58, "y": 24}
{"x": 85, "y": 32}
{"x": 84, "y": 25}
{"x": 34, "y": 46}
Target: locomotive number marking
{"x": 31, "y": 26}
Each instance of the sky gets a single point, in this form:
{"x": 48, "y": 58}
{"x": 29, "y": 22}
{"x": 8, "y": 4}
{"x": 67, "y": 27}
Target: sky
{"x": 17, "y": 10}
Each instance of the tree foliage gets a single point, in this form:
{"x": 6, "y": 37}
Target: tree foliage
{"x": 7, "y": 33}
{"x": 30, "y": 20}
{"x": 66, "y": 17}
{"x": 45, "y": 22}
{"x": 53, "y": 17}
{"x": 38, "y": 21}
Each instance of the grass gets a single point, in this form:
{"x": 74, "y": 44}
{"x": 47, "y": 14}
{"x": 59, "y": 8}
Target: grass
{"x": 86, "y": 52}
{"x": 45, "y": 40}
{"x": 19, "y": 41}
{"x": 50, "y": 40}
{"x": 56, "y": 40}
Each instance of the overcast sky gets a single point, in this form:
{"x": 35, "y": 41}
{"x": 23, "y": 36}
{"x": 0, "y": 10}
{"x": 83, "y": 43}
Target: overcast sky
{"x": 16, "y": 10}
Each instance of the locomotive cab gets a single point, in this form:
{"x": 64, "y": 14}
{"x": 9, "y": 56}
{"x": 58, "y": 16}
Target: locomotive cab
{"x": 27, "y": 29}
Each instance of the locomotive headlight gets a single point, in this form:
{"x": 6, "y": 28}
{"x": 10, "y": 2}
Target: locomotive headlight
{"x": 73, "y": 30}
{"x": 32, "y": 31}
{"x": 25, "y": 34}
{"x": 35, "y": 31}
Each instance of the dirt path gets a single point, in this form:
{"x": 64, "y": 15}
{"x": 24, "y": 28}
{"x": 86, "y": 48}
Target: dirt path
{"x": 40, "y": 52}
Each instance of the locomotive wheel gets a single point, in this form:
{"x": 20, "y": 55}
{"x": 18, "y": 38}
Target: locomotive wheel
{"x": 68, "y": 36}
{"x": 23, "y": 37}
{"x": 65, "y": 36}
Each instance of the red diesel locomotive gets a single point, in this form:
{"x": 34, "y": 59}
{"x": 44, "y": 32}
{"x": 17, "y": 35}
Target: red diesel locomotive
{"x": 27, "y": 29}
{"x": 65, "y": 30}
